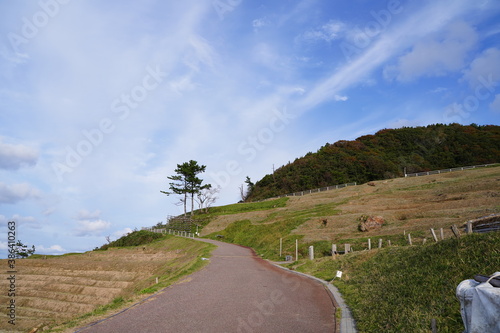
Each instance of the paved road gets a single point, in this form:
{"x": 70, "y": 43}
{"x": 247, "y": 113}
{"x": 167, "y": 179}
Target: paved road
{"x": 236, "y": 292}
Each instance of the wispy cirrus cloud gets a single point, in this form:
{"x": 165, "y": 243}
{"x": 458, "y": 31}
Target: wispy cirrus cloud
{"x": 385, "y": 47}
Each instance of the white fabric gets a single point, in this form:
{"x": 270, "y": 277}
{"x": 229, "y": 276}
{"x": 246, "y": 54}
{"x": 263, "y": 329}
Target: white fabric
{"x": 479, "y": 306}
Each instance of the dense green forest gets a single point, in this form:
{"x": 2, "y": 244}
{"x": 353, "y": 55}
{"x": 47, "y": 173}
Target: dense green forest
{"x": 384, "y": 155}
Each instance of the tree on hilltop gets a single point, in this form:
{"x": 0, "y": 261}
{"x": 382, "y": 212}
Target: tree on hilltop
{"x": 186, "y": 182}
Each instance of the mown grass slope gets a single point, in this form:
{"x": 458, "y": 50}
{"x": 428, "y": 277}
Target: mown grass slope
{"x": 401, "y": 289}
{"x": 408, "y": 205}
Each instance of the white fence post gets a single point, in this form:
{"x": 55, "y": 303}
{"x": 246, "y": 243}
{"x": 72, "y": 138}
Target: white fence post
{"x": 311, "y": 252}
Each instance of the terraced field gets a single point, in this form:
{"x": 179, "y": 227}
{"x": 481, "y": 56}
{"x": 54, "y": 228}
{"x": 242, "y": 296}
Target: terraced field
{"x": 59, "y": 288}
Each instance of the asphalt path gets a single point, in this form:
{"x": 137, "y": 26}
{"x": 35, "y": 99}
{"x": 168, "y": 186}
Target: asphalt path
{"x": 236, "y": 292}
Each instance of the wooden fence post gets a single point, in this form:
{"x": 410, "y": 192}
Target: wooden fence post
{"x": 455, "y": 230}
{"x": 389, "y": 242}
{"x": 369, "y": 244}
{"x": 442, "y": 233}
{"x": 434, "y": 235}
{"x": 469, "y": 227}
{"x": 296, "y": 250}
{"x": 409, "y": 239}
{"x": 334, "y": 251}
{"x": 281, "y": 245}
{"x": 311, "y": 252}
{"x": 347, "y": 248}
{"x": 380, "y": 243}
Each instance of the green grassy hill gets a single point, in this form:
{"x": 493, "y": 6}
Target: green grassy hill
{"x": 401, "y": 289}
{"x": 384, "y": 155}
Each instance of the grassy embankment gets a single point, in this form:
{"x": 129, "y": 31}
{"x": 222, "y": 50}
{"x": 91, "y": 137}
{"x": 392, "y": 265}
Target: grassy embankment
{"x": 394, "y": 289}
{"x": 62, "y": 292}
{"x": 400, "y": 289}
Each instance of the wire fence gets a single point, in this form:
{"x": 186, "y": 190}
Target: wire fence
{"x": 417, "y": 174}
{"x": 437, "y": 172}
{"x": 316, "y": 190}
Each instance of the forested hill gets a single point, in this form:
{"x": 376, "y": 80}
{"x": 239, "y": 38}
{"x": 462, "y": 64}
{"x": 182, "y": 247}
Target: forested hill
{"x": 384, "y": 155}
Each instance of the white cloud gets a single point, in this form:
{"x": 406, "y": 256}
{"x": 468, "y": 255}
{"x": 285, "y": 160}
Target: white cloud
{"x": 199, "y": 52}
{"x": 122, "y": 232}
{"x": 436, "y": 55}
{"x": 409, "y": 32}
{"x": 87, "y": 215}
{"x": 53, "y": 249}
{"x": 182, "y": 84}
{"x": 260, "y": 23}
{"x": 10, "y": 194}
{"x": 14, "y": 156}
{"x": 265, "y": 54}
{"x": 28, "y": 221}
{"x": 90, "y": 223}
{"x": 49, "y": 211}
{"x": 485, "y": 66}
{"x": 340, "y": 98}
{"x": 327, "y": 32}
{"x": 438, "y": 90}
{"x": 495, "y": 105}
{"x": 91, "y": 227}
{"x": 25, "y": 221}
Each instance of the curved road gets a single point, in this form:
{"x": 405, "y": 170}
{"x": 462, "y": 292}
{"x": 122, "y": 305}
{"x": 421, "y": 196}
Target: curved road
{"x": 237, "y": 292}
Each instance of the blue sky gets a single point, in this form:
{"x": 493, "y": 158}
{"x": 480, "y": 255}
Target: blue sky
{"x": 99, "y": 101}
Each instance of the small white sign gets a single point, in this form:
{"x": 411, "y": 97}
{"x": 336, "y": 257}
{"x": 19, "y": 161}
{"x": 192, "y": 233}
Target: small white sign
{"x": 339, "y": 274}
